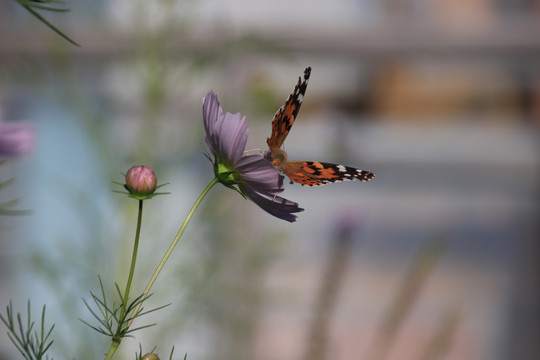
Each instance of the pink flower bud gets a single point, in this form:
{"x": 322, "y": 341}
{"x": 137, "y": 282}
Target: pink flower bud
{"x": 141, "y": 180}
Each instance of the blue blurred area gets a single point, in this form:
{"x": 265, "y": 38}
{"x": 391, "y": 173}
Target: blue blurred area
{"x": 441, "y": 100}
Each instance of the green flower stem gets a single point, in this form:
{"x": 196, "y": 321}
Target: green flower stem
{"x": 133, "y": 260}
{"x": 112, "y": 350}
{"x": 175, "y": 241}
{"x": 114, "y": 344}
{"x": 116, "y": 341}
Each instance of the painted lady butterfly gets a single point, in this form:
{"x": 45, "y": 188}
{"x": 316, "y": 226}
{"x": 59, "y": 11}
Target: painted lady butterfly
{"x": 311, "y": 173}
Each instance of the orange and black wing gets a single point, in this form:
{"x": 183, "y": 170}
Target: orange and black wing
{"x": 285, "y": 116}
{"x": 314, "y": 173}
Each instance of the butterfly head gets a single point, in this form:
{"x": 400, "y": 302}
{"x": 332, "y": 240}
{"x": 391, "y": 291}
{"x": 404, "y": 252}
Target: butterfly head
{"x": 279, "y": 157}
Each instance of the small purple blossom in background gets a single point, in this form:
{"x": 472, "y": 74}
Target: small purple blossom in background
{"x": 141, "y": 180}
{"x": 16, "y": 138}
{"x": 256, "y": 178}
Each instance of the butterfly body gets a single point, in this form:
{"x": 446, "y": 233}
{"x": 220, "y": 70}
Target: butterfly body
{"x": 310, "y": 173}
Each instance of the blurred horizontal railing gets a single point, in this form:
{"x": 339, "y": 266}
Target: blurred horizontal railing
{"x": 516, "y": 42}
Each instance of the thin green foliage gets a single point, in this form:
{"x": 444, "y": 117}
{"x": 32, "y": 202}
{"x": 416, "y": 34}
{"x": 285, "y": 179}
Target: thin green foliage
{"x": 31, "y": 343}
{"x": 39, "y": 4}
{"x": 33, "y": 5}
{"x": 6, "y": 208}
{"x": 3, "y": 184}
{"x": 113, "y": 322}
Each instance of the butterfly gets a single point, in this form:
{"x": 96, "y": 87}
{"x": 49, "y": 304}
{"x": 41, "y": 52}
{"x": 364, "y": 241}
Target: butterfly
{"x": 310, "y": 173}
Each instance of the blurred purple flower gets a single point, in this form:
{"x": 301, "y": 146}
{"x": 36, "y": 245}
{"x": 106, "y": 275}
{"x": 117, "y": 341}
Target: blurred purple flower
{"x": 256, "y": 178}
{"x": 16, "y": 138}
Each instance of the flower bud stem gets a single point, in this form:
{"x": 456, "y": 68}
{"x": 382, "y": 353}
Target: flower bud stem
{"x": 123, "y": 313}
{"x": 133, "y": 260}
{"x": 114, "y": 344}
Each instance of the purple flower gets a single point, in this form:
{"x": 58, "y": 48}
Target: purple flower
{"x": 255, "y": 177}
{"x": 16, "y": 138}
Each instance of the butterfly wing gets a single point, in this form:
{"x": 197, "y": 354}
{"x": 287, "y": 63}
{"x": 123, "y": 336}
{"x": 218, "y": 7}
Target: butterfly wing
{"x": 284, "y": 117}
{"x": 314, "y": 173}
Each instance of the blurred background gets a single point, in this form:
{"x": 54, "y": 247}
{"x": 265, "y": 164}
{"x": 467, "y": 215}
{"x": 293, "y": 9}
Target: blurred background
{"x": 436, "y": 258}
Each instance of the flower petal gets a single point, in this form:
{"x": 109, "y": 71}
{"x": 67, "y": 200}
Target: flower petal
{"x": 213, "y": 120}
{"x": 233, "y": 136}
{"x": 258, "y": 172}
{"x": 272, "y": 204}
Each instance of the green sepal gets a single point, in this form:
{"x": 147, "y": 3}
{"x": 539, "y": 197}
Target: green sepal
{"x": 139, "y": 196}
